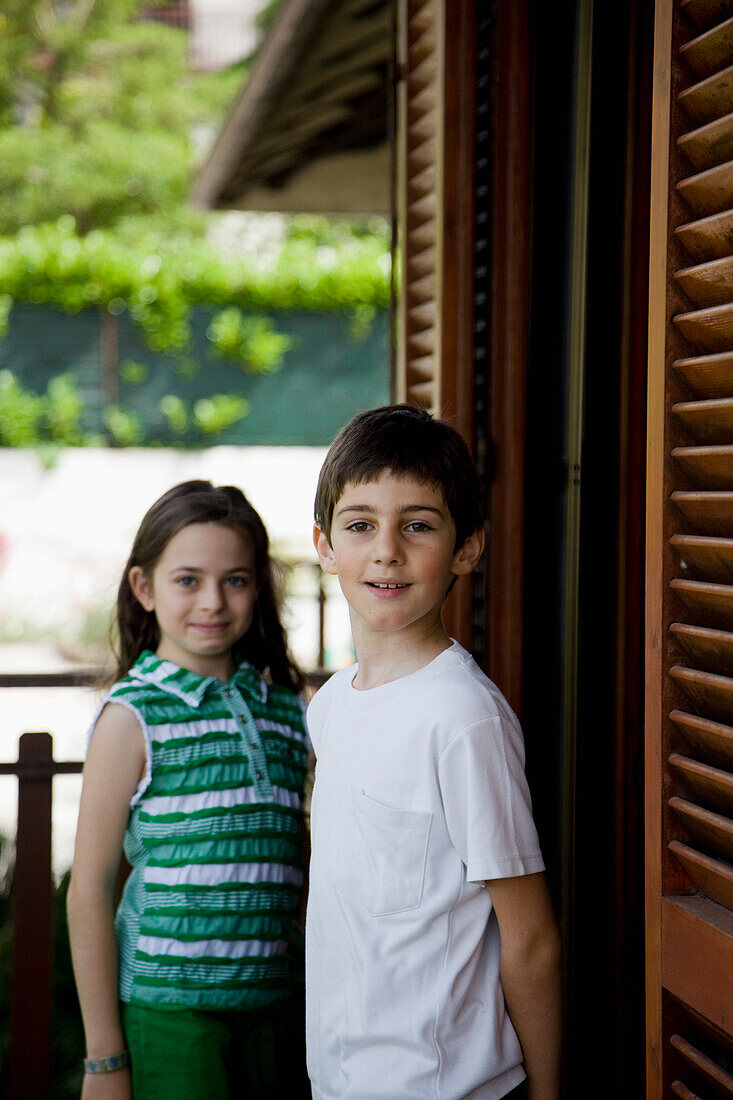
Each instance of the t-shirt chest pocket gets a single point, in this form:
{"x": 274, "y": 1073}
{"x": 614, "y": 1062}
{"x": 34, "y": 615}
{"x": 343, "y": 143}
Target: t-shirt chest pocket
{"x": 381, "y": 855}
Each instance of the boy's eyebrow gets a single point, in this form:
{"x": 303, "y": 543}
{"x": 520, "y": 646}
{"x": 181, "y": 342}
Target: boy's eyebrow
{"x": 404, "y": 508}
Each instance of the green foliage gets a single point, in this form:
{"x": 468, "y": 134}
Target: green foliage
{"x": 125, "y": 428}
{"x": 174, "y": 410}
{"x": 215, "y": 414}
{"x": 20, "y": 413}
{"x": 49, "y": 171}
{"x": 104, "y": 108}
{"x": 160, "y": 277}
{"x": 251, "y": 340}
{"x": 63, "y": 411}
{"x": 29, "y": 419}
{"x": 100, "y": 122}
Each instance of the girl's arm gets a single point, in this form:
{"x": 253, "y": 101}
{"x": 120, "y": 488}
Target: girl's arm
{"x": 530, "y": 976}
{"x": 114, "y": 766}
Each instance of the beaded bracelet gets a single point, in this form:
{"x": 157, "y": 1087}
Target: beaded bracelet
{"x": 108, "y": 1064}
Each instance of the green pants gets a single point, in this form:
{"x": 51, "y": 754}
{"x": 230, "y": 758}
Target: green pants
{"x": 187, "y": 1054}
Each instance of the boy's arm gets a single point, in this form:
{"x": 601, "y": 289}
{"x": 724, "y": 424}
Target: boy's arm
{"x": 530, "y": 976}
{"x": 112, "y": 771}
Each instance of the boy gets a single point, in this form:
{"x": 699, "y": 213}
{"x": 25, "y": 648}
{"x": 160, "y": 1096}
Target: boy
{"x": 424, "y": 849}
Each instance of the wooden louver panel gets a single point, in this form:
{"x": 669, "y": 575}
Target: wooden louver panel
{"x": 419, "y": 373}
{"x": 701, "y": 427}
{"x": 691, "y": 424}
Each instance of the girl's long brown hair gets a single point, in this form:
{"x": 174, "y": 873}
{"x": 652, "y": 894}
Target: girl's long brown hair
{"x": 264, "y": 645}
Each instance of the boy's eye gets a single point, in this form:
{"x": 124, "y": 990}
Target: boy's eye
{"x": 358, "y": 526}
{"x": 418, "y": 525}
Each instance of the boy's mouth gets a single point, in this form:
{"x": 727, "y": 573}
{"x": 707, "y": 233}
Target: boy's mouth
{"x": 379, "y": 584}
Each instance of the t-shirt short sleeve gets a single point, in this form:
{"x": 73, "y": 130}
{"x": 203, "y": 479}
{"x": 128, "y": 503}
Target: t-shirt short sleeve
{"x": 486, "y": 799}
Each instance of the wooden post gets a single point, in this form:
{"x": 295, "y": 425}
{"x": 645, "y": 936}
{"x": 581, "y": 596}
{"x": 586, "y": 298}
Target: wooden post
{"x": 30, "y": 1050}
{"x": 321, "y": 620}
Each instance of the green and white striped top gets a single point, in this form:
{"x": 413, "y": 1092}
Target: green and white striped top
{"x": 214, "y": 838}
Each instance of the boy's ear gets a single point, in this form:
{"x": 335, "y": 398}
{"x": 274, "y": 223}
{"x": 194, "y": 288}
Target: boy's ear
{"x": 324, "y": 551}
{"x": 141, "y": 587}
{"x": 466, "y": 557}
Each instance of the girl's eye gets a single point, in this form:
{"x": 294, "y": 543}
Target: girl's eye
{"x": 186, "y": 582}
{"x": 238, "y": 582}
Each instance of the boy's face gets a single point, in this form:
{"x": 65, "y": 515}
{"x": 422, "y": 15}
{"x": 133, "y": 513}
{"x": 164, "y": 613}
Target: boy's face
{"x": 392, "y": 548}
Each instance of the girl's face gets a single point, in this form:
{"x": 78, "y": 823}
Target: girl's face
{"x": 203, "y": 591}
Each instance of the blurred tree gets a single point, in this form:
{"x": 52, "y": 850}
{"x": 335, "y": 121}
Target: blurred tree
{"x": 99, "y": 112}
{"x": 101, "y": 124}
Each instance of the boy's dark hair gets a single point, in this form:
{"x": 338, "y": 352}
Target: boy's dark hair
{"x": 264, "y": 645}
{"x": 409, "y": 442}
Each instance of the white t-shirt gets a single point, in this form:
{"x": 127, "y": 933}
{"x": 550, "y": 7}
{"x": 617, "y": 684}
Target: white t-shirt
{"x": 420, "y": 794}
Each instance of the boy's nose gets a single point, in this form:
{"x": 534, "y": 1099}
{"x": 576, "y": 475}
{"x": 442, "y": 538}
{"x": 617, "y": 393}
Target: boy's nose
{"x": 386, "y": 548}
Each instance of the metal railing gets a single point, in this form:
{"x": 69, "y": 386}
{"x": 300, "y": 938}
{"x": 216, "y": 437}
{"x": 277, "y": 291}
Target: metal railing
{"x": 32, "y": 965}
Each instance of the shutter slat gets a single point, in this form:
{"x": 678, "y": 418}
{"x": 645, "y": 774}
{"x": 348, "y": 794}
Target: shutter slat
{"x": 421, "y": 343}
{"x": 707, "y": 556}
{"x": 711, "y": 649}
{"x": 704, "y": 13}
{"x": 423, "y": 316}
{"x": 420, "y": 103}
{"x": 708, "y": 376}
{"x": 710, "y": 1070}
{"x": 714, "y": 879}
{"x": 708, "y": 284}
{"x": 709, "y": 238}
{"x": 710, "y": 513}
{"x": 711, "y": 740}
{"x": 421, "y": 238}
{"x": 708, "y": 192}
{"x": 711, "y": 98}
{"x": 422, "y": 140}
{"x": 713, "y": 786}
{"x": 701, "y": 1062}
{"x": 708, "y": 419}
{"x": 420, "y": 263}
{"x": 710, "y": 692}
{"x": 424, "y": 209}
{"x": 422, "y": 17}
{"x": 421, "y": 183}
{"x": 425, "y": 74}
{"x": 679, "y": 1088}
{"x": 710, "y": 603}
{"x": 711, "y": 329}
{"x": 711, "y": 50}
{"x": 707, "y": 466}
{"x": 422, "y": 46}
{"x": 423, "y": 393}
{"x": 423, "y": 369}
{"x": 422, "y": 290}
{"x": 713, "y": 832}
{"x": 703, "y": 1066}
{"x": 708, "y": 145}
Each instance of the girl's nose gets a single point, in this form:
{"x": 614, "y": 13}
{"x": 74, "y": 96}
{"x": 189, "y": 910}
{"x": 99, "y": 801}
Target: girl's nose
{"x": 212, "y": 597}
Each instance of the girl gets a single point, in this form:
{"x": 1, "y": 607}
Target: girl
{"x": 196, "y": 766}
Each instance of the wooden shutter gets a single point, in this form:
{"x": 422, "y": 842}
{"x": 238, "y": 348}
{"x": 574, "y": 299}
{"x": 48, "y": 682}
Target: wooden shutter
{"x": 689, "y": 716}
{"x": 435, "y": 176}
{"x": 420, "y": 49}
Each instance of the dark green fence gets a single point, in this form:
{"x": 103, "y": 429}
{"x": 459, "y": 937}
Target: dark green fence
{"x": 329, "y": 373}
